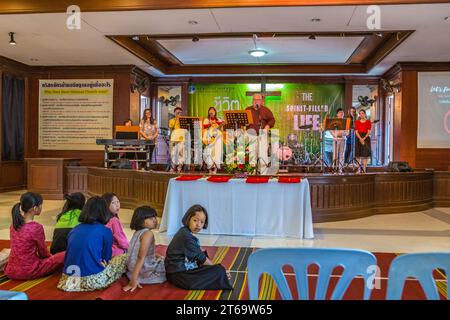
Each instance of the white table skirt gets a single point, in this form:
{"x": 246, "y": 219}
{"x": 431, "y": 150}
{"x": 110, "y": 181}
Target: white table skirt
{"x": 239, "y": 208}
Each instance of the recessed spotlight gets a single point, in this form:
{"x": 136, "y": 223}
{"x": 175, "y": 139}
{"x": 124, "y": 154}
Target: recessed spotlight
{"x": 257, "y": 53}
{"x": 316, "y": 20}
{"x": 379, "y": 34}
{"x": 195, "y": 39}
{"x": 193, "y": 22}
{"x": 447, "y": 18}
{"x": 312, "y": 37}
{"x": 11, "y": 39}
{"x": 135, "y": 38}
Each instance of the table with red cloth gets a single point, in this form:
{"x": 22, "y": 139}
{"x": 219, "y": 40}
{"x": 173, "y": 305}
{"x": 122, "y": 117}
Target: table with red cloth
{"x": 239, "y": 208}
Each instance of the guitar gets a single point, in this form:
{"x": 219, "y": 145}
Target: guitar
{"x": 210, "y": 134}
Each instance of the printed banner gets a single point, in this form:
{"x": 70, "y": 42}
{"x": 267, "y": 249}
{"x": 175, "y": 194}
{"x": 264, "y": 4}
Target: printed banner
{"x": 73, "y": 113}
{"x": 293, "y": 105}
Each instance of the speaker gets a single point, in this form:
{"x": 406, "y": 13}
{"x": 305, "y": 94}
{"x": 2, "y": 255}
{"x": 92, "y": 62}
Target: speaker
{"x": 121, "y": 164}
{"x": 398, "y": 166}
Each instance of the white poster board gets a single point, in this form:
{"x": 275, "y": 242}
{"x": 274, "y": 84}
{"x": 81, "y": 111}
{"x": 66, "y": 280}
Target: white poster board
{"x": 433, "y": 130}
{"x": 73, "y": 113}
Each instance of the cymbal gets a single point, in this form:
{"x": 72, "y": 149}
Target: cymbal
{"x": 306, "y": 126}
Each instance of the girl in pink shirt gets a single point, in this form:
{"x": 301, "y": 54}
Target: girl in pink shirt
{"x": 120, "y": 241}
{"x": 29, "y": 257}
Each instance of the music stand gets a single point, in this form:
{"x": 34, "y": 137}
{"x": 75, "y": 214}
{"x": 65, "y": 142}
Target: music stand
{"x": 235, "y": 119}
{"x": 342, "y": 124}
{"x": 127, "y": 132}
{"x": 190, "y": 123}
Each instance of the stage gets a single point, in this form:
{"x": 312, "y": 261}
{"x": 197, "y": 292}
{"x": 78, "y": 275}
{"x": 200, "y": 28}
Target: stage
{"x": 333, "y": 197}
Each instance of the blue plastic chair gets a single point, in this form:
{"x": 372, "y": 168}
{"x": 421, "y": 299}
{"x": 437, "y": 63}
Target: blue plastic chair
{"x": 12, "y": 295}
{"x": 419, "y": 266}
{"x": 271, "y": 261}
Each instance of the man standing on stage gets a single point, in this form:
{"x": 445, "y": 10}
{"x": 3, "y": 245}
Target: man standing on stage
{"x": 350, "y": 136}
{"x": 177, "y": 139}
{"x": 262, "y": 119}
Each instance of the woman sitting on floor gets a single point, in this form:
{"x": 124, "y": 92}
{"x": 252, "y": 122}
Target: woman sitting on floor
{"x": 120, "y": 241}
{"x": 187, "y": 266}
{"x": 144, "y": 265}
{"x": 88, "y": 265}
{"x": 67, "y": 220}
{"x": 29, "y": 257}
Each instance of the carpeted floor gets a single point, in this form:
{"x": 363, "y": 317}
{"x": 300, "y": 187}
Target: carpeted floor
{"x": 232, "y": 258}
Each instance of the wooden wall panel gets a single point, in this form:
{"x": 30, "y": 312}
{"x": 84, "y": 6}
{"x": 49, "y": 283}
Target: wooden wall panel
{"x": 406, "y": 117}
{"x": 441, "y": 189}
{"x": 403, "y": 192}
{"x": 333, "y": 198}
{"x": 77, "y": 179}
{"x": 134, "y": 188}
{"x": 12, "y": 175}
{"x": 340, "y": 197}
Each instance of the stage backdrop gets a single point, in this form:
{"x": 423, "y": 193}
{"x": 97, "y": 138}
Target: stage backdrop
{"x": 297, "y": 104}
{"x": 73, "y": 113}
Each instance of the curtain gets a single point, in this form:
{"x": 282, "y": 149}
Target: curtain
{"x": 13, "y": 118}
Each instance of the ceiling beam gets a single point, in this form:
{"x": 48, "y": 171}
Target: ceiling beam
{"x": 266, "y": 69}
{"x": 283, "y": 34}
{"x": 139, "y": 51}
{"x": 394, "y": 40}
{"x": 51, "y": 6}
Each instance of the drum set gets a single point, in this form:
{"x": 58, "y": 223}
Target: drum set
{"x": 294, "y": 152}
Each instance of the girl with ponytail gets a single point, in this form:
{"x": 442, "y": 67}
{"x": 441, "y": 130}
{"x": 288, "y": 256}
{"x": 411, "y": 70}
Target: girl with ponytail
{"x": 29, "y": 257}
{"x": 67, "y": 220}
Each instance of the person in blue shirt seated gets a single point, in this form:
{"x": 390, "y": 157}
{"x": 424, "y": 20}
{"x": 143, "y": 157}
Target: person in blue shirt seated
{"x": 187, "y": 266}
{"x": 88, "y": 263}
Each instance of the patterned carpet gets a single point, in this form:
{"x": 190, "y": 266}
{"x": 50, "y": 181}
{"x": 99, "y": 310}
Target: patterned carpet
{"x": 233, "y": 258}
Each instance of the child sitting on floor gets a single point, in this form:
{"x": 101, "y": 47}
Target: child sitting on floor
{"x": 29, "y": 257}
{"x": 187, "y": 266}
{"x": 88, "y": 265}
{"x": 67, "y": 220}
{"x": 120, "y": 241}
{"x": 144, "y": 265}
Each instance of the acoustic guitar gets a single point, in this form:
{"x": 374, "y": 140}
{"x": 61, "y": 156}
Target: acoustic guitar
{"x": 210, "y": 134}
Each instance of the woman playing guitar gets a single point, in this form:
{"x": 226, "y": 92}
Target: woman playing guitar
{"x": 212, "y": 139}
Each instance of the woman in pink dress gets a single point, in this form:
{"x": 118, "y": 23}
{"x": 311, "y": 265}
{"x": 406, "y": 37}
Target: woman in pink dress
{"x": 120, "y": 241}
{"x": 29, "y": 257}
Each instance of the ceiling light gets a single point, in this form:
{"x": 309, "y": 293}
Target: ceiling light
{"x": 258, "y": 53}
{"x": 135, "y": 38}
{"x": 195, "y": 39}
{"x": 379, "y": 34}
{"x": 447, "y": 18}
{"x": 312, "y": 37}
{"x": 11, "y": 37}
{"x": 316, "y": 20}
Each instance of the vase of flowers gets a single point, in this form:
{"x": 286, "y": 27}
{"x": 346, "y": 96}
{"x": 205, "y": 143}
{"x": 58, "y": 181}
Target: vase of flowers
{"x": 238, "y": 163}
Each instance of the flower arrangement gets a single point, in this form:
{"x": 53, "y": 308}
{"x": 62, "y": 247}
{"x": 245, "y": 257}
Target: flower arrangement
{"x": 240, "y": 168}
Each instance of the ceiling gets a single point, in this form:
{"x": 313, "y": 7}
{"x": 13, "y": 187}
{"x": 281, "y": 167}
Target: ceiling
{"x": 45, "y": 37}
{"x": 281, "y": 50}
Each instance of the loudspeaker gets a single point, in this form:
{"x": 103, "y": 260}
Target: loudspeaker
{"x": 121, "y": 164}
{"x": 398, "y": 166}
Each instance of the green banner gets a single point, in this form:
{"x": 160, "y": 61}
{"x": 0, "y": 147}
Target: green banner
{"x": 292, "y": 104}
